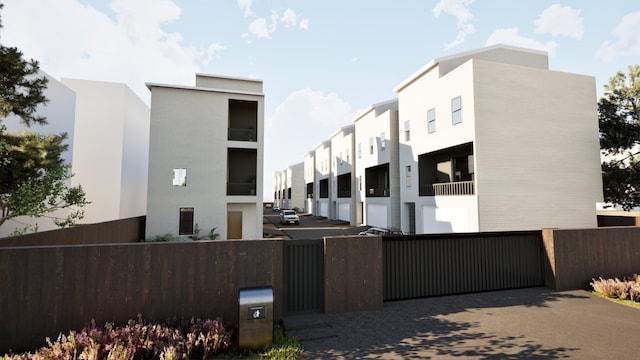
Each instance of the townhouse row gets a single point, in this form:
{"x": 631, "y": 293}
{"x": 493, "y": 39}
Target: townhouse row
{"x": 486, "y": 140}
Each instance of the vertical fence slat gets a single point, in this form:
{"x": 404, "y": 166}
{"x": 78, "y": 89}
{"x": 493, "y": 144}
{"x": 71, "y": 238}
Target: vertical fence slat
{"x": 444, "y": 264}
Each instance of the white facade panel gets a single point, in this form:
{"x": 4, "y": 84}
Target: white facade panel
{"x": 377, "y": 215}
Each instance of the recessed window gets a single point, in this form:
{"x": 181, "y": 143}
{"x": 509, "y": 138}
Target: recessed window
{"x": 407, "y": 131}
{"x": 179, "y": 177}
{"x": 186, "y": 221}
{"x": 383, "y": 141}
{"x": 370, "y": 145}
{"x": 359, "y": 150}
{"x": 408, "y": 175}
{"x": 431, "y": 120}
{"x": 456, "y": 110}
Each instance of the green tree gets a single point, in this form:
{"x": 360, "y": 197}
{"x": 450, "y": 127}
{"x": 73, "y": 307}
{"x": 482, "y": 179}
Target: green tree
{"x": 33, "y": 175}
{"x": 618, "y": 116}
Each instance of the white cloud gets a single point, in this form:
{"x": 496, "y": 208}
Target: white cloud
{"x": 626, "y": 40}
{"x": 304, "y": 119}
{"x": 259, "y": 28}
{"x": 304, "y": 24}
{"x": 289, "y": 18}
{"x": 133, "y": 49}
{"x": 512, "y": 37}
{"x": 460, "y": 10}
{"x": 558, "y": 20}
{"x": 246, "y": 6}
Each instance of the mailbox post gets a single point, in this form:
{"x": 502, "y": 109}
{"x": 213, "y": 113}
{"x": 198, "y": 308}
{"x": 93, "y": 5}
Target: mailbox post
{"x": 255, "y": 330}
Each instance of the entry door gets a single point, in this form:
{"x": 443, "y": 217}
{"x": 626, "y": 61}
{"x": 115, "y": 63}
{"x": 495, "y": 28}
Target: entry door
{"x": 234, "y": 225}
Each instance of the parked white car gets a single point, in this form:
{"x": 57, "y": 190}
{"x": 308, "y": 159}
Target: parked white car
{"x": 289, "y": 216}
{"x": 380, "y": 231}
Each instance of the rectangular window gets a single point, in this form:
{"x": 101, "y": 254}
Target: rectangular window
{"x": 360, "y": 183}
{"x": 179, "y": 177}
{"x": 456, "y": 110}
{"x": 347, "y": 155}
{"x": 407, "y": 131}
{"x": 186, "y": 221}
{"x": 431, "y": 120}
{"x": 341, "y": 159}
{"x": 370, "y": 145}
{"x": 383, "y": 141}
{"x": 408, "y": 175}
{"x": 359, "y": 150}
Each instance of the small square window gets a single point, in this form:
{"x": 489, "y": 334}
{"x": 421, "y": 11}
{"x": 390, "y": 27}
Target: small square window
{"x": 179, "y": 177}
{"x": 456, "y": 110}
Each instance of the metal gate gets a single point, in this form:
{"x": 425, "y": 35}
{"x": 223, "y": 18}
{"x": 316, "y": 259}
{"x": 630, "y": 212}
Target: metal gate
{"x": 303, "y": 276}
{"x": 434, "y": 265}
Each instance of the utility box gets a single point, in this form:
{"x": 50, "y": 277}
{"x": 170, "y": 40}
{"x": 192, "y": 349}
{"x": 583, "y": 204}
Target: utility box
{"x": 255, "y": 330}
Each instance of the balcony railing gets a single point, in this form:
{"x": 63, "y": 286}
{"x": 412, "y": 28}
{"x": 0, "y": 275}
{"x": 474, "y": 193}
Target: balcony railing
{"x": 344, "y": 193}
{"x": 377, "y": 192}
{"x": 448, "y": 189}
{"x": 239, "y": 134}
{"x": 241, "y": 188}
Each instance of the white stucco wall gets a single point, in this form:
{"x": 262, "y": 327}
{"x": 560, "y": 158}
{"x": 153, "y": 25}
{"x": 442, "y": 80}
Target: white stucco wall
{"x": 189, "y": 130}
{"x": 112, "y": 142}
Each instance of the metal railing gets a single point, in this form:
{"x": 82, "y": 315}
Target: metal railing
{"x": 241, "y": 188}
{"x": 448, "y": 189}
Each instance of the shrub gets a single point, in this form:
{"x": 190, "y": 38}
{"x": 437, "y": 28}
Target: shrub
{"x": 138, "y": 340}
{"x": 163, "y": 238}
{"x": 626, "y": 289}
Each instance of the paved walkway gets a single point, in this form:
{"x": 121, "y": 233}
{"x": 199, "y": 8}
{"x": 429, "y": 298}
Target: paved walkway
{"x": 534, "y": 323}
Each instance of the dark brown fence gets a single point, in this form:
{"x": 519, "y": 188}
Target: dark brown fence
{"x": 46, "y": 290}
{"x": 433, "y": 265}
{"x": 303, "y": 276}
{"x": 117, "y": 231}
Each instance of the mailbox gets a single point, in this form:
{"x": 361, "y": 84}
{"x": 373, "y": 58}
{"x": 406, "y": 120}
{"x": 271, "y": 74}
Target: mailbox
{"x": 255, "y": 330}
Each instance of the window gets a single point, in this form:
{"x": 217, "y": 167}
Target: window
{"x": 382, "y": 141}
{"x": 360, "y": 183}
{"x": 341, "y": 159}
{"x": 359, "y": 150}
{"x": 186, "y": 221}
{"x": 431, "y": 120}
{"x": 456, "y": 110}
{"x": 179, "y": 177}
{"x": 370, "y": 145}
{"x": 408, "y": 175}
{"x": 347, "y": 155}
{"x": 407, "y": 131}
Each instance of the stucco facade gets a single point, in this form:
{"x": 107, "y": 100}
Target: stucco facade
{"x": 206, "y": 158}
{"x": 514, "y": 145}
{"x": 343, "y": 201}
{"x": 112, "y": 149}
{"x": 376, "y": 159}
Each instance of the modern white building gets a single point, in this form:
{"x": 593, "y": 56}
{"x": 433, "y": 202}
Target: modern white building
{"x": 322, "y": 179}
{"x": 376, "y": 170}
{"x": 278, "y": 188}
{"x": 294, "y": 176}
{"x": 343, "y": 201}
{"x": 206, "y": 158}
{"x": 492, "y": 140}
{"x": 111, "y": 145}
{"x": 60, "y": 116}
{"x": 309, "y": 165}
{"x": 108, "y": 133}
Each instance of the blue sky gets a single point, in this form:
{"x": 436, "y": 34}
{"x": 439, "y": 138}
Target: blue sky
{"x": 322, "y": 62}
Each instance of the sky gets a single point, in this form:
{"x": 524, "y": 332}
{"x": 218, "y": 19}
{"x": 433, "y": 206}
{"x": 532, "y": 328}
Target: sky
{"x": 321, "y": 62}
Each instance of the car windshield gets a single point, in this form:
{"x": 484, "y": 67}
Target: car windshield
{"x": 289, "y": 212}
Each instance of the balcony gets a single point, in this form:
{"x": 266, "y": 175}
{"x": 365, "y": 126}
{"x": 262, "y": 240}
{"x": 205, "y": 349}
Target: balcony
{"x": 448, "y": 189}
{"x": 240, "y": 134}
{"x": 241, "y": 188}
